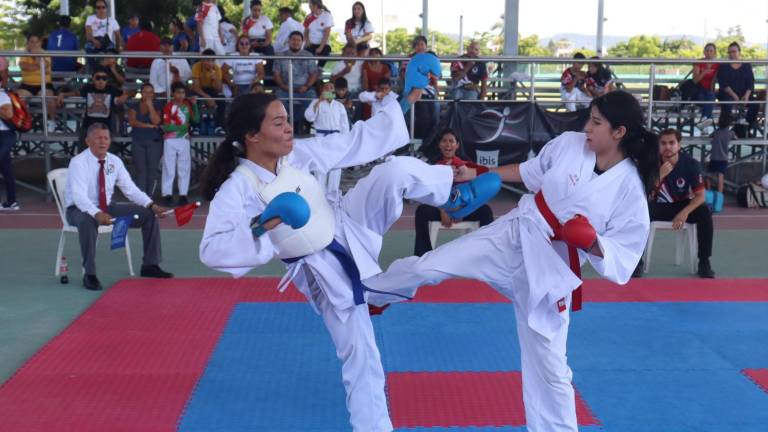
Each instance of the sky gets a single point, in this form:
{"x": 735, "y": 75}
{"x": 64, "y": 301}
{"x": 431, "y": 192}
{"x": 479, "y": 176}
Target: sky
{"x": 701, "y": 18}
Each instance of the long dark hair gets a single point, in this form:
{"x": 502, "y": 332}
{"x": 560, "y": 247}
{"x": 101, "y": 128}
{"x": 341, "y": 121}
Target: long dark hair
{"x": 433, "y": 153}
{"x": 245, "y": 116}
{"x": 642, "y": 146}
{"x": 363, "y": 19}
{"x": 319, "y": 3}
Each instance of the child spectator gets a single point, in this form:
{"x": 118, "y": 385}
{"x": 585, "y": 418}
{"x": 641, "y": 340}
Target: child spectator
{"x": 343, "y": 96}
{"x": 373, "y": 99}
{"x": 572, "y": 85}
{"x": 329, "y": 117}
{"x": 599, "y": 79}
{"x": 178, "y": 115}
{"x": 718, "y": 160}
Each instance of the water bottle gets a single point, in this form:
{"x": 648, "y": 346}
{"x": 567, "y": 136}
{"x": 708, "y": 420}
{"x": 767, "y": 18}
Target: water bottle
{"x": 63, "y": 269}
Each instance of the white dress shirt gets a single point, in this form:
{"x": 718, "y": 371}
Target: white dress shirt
{"x": 328, "y": 116}
{"x": 286, "y": 28}
{"x": 157, "y": 73}
{"x": 82, "y": 188}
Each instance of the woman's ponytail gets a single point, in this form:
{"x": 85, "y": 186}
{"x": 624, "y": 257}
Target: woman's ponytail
{"x": 222, "y": 164}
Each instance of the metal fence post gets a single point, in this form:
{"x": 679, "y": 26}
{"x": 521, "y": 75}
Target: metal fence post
{"x": 290, "y": 91}
{"x": 651, "y": 83}
{"x": 46, "y": 144}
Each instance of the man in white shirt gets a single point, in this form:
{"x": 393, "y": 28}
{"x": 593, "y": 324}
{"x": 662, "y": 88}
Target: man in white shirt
{"x": 352, "y": 70}
{"x": 288, "y": 25}
{"x": 91, "y": 182}
{"x": 178, "y": 67}
{"x": 7, "y": 140}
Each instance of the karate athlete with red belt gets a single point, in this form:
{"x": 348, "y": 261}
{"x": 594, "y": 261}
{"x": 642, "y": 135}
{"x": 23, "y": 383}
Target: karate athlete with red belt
{"x": 259, "y": 164}
{"x": 588, "y": 204}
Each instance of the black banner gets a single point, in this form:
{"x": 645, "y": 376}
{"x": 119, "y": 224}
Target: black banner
{"x": 498, "y": 133}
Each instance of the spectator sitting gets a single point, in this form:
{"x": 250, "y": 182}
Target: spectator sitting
{"x": 704, "y": 75}
{"x": 373, "y": 72}
{"x": 178, "y": 68}
{"x": 178, "y": 115}
{"x": 258, "y": 28}
{"x": 143, "y": 40}
{"x": 329, "y": 117}
{"x": 131, "y": 29}
{"x": 358, "y": 30}
{"x": 351, "y": 70}
{"x": 31, "y": 78}
{"x": 317, "y": 30}
{"x": 63, "y": 39}
{"x": 288, "y": 25}
{"x": 115, "y": 72}
{"x": 179, "y": 36}
{"x": 470, "y": 78}
{"x": 7, "y": 141}
{"x": 305, "y": 74}
{"x": 88, "y": 205}
{"x": 145, "y": 116}
{"x": 718, "y": 158}
{"x": 679, "y": 197}
{"x": 420, "y": 81}
{"x": 207, "y": 18}
{"x": 449, "y": 144}
{"x": 228, "y": 32}
{"x": 572, "y": 85}
{"x": 207, "y": 82}
{"x": 599, "y": 79}
{"x": 100, "y": 101}
{"x": 240, "y": 74}
{"x": 190, "y": 29}
{"x": 373, "y": 99}
{"x": 101, "y": 32}
{"x": 737, "y": 83}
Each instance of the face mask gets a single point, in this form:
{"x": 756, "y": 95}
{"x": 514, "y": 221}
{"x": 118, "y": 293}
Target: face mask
{"x": 329, "y": 95}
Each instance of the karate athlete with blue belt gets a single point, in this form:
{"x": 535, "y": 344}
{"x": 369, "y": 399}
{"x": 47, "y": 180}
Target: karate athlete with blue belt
{"x": 327, "y": 254}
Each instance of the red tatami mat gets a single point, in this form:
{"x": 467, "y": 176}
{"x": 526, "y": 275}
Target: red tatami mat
{"x": 150, "y": 339}
{"x": 456, "y": 399}
{"x": 759, "y": 376}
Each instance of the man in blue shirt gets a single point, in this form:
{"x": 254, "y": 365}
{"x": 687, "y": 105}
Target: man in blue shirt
{"x": 63, "y": 40}
{"x": 132, "y": 28}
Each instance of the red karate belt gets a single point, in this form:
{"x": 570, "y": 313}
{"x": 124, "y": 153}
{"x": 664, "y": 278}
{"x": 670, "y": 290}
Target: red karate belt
{"x": 573, "y": 253}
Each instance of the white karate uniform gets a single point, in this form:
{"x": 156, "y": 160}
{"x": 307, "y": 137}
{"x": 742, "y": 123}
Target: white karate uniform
{"x": 177, "y": 161}
{"x": 516, "y": 256}
{"x": 327, "y": 118}
{"x": 363, "y": 215}
{"x": 370, "y": 97}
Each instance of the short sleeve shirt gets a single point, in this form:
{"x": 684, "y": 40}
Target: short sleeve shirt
{"x": 4, "y": 100}
{"x": 101, "y": 27}
{"x": 205, "y": 77}
{"x": 682, "y": 183}
{"x": 301, "y": 68}
{"x": 257, "y": 29}
{"x": 478, "y": 72}
{"x": 359, "y": 31}
{"x": 244, "y": 69}
{"x": 99, "y": 104}
{"x": 317, "y": 25}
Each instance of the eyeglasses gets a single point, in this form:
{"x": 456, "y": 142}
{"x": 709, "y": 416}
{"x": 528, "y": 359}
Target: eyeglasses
{"x": 100, "y": 78}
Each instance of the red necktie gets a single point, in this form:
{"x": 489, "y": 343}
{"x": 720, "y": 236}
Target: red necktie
{"x": 102, "y": 188}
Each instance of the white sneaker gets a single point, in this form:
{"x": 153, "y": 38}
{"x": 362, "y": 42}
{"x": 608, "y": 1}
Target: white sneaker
{"x": 705, "y": 123}
{"x": 10, "y": 206}
{"x": 52, "y": 126}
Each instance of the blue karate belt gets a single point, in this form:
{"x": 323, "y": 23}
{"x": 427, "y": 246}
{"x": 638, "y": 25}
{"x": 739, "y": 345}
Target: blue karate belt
{"x": 350, "y": 268}
{"x": 326, "y": 132}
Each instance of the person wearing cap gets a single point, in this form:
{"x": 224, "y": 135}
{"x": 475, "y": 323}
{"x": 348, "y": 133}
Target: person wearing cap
{"x": 178, "y": 69}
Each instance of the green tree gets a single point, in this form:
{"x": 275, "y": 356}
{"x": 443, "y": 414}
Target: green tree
{"x": 637, "y": 46}
{"x": 529, "y": 46}
{"x": 11, "y": 26}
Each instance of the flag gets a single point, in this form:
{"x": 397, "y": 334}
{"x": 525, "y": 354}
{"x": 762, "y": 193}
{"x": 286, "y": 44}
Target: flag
{"x": 120, "y": 231}
{"x": 184, "y": 213}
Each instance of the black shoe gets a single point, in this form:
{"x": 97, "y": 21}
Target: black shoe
{"x": 91, "y": 282}
{"x": 154, "y": 271}
{"x": 167, "y": 201}
{"x": 182, "y": 200}
{"x": 705, "y": 269}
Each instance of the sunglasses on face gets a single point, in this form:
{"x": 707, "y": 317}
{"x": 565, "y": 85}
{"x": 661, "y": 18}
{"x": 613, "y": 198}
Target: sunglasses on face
{"x": 100, "y": 78}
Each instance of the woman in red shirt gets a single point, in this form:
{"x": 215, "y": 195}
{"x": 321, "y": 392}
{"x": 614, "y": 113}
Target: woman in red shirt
{"x": 449, "y": 143}
{"x": 373, "y": 71}
{"x": 704, "y": 75}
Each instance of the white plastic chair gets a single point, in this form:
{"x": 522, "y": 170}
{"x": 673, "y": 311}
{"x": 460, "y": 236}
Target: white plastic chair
{"x": 436, "y": 226}
{"x": 57, "y": 179}
{"x": 685, "y": 238}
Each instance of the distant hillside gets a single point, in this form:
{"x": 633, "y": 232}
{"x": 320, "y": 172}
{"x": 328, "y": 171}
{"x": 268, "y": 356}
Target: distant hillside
{"x": 588, "y": 41}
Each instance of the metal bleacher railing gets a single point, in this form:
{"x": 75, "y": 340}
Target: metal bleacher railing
{"x": 515, "y": 80}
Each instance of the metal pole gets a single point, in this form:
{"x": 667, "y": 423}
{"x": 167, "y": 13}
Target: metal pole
{"x": 112, "y": 12}
{"x": 651, "y": 83}
{"x": 425, "y": 18}
{"x": 383, "y": 32}
{"x": 461, "y": 34}
{"x": 413, "y": 120}
{"x": 290, "y": 91}
{"x": 246, "y": 8}
{"x": 511, "y": 36}
{"x": 168, "y": 78}
{"x": 64, "y": 8}
{"x": 600, "y": 20}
